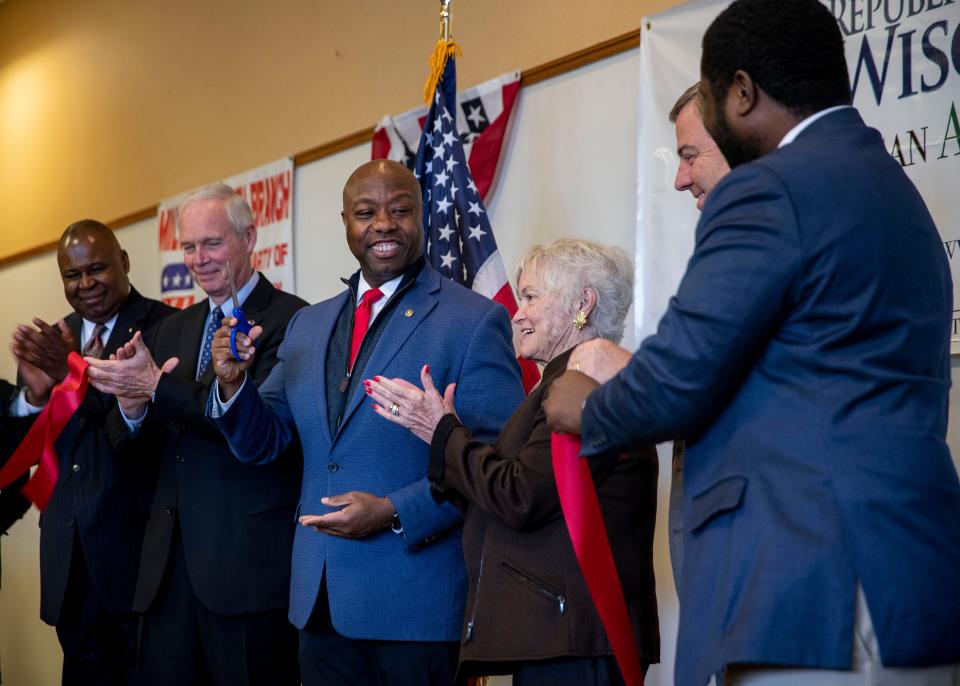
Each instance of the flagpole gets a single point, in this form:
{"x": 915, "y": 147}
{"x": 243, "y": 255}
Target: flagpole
{"x": 445, "y": 19}
{"x": 444, "y": 50}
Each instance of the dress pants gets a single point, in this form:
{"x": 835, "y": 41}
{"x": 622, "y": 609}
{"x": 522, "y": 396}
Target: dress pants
{"x": 329, "y": 659}
{"x": 182, "y": 643}
{"x": 98, "y": 646}
{"x": 571, "y": 671}
{"x": 865, "y": 669}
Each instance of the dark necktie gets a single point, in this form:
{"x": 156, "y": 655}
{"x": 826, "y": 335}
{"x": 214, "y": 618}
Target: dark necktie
{"x": 94, "y": 345}
{"x": 215, "y": 318}
{"x": 361, "y": 321}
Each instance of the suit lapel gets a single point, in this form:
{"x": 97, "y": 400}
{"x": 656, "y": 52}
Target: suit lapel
{"x": 191, "y": 334}
{"x": 321, "y": 343}
{"x": 406, "y": 316}
{"x": 129, "y": 319}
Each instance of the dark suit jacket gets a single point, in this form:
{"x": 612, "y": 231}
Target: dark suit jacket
{"x": 100, "y": 496}
{"x": 528, "y": 600}
{"x": 236, "y": 520}
{"x": 806, "y": 356}
{"x": 12, "y": 504}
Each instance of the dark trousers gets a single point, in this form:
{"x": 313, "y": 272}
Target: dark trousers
{"x": 571, "y": 671}
{"x": 182, "y": 643}
{"x": 98, "y": 646}
{"x": 329, "y": 659}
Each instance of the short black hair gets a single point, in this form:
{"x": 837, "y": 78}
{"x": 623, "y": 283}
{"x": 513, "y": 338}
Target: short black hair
{"x": 91, "y": 226}
{"x": 792, "y": 49}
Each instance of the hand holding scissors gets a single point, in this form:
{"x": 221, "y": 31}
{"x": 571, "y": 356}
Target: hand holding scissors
{"x": 242, "y": 325}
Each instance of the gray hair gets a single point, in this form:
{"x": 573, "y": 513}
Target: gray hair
{"x": 689, "y": 95}
{"x": 567, "y": 266}
{"x": 238, "y": 211}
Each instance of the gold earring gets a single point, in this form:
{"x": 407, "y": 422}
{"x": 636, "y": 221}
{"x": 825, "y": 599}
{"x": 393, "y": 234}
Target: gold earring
{"x": 580, "y": 320}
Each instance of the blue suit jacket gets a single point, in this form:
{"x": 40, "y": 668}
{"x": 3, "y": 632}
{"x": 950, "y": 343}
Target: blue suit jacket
{"x": 408, "y": 587}
{"x": 806, "y": 357}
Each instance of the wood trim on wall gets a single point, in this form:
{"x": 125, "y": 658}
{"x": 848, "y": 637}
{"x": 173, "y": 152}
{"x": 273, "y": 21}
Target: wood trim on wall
{"x": 529, "y": 77}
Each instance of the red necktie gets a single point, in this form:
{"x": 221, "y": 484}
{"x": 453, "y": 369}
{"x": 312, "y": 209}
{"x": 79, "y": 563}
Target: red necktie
{"x": 361, "y": 320}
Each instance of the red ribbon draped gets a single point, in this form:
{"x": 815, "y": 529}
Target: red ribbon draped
{"x": 37, "y": 445}
{"x": 581, "y": 510}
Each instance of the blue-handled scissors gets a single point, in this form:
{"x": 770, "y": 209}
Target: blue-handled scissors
{"x": 243, "y": 326}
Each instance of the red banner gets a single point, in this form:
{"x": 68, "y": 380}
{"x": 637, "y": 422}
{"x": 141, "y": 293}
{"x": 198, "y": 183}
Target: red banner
{"x": 581, "y": 510}
{"x": 37, "y": 445}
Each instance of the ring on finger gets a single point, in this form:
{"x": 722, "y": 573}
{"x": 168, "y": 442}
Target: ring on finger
{"x": 394, "y": 409}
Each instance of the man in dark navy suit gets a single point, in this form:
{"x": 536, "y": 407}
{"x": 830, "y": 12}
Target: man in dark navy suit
{"x": 214, "y": 574}
{"x": 92, "y": 528}
{"x": 805, "y": 358}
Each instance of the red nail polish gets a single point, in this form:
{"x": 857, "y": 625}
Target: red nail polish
{"x": 428, "y": 369}
{"x": 367, "y": 391}
{"x": 376, "y": 378}
{"x": 376, "y": 407}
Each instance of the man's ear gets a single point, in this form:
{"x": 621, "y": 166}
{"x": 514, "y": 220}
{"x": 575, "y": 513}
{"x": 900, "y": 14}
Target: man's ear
{"x": 250, "y": 237}
{"x": 743, "y": 93}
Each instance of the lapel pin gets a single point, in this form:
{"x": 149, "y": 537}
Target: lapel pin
{"x": 408, "y": 313}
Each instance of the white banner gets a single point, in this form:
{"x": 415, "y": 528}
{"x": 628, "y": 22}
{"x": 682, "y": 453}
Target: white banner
{"x": 269, "y": 191}
{"x": 904, "y": 62}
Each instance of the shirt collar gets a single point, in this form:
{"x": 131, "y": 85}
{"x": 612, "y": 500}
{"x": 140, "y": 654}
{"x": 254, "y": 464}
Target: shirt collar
{"x": 227, "y": 306}
{"x": 799, "y": 128}
{"x": 388, "y": 288}
{"x": 87, "y": 329}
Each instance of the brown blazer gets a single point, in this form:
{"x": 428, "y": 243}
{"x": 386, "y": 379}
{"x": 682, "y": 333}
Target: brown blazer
{"x": 527, "y": 599}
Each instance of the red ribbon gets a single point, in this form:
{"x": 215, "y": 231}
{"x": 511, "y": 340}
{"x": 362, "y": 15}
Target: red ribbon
{"x": 37, "y": 445}
{"x": 581, "y": 510}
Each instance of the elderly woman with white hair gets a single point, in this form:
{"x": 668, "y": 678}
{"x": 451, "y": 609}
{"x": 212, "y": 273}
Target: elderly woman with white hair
{"x": 529, "y": 612}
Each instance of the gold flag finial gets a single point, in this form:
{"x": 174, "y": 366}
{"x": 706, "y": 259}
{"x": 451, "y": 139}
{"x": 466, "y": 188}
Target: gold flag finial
{"x": 445, "y": 19}
{"x": 446, "y": 48}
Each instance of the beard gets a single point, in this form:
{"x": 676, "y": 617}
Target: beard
{"x": 736, "y": 150}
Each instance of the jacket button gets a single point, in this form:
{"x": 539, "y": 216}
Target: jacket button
{"x": 180, "y": 459}
{"x": 76, "y": 468}
{"x": 333, "y": 466}
{"x": 169, "y": 510}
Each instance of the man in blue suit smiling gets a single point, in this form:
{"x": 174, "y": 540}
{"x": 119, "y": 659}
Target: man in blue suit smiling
{"x": 378, "y": 581}
{"x": 805, "y": 358}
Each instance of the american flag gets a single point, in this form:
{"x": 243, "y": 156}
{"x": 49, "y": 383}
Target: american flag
{"x": 460, "y": 242}
{"x": 483, "y": 115}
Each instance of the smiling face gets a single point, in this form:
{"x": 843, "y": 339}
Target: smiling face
{"x": 545, "y": 325}
{"x": 94, "y": 271}
{"x": 702, "y": 165}
{"x": 382, "y": 215}
{"x": 209, "y": 243}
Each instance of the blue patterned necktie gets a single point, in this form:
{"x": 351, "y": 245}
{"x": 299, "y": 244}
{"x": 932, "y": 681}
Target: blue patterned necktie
{"x": 212, "y": 327}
